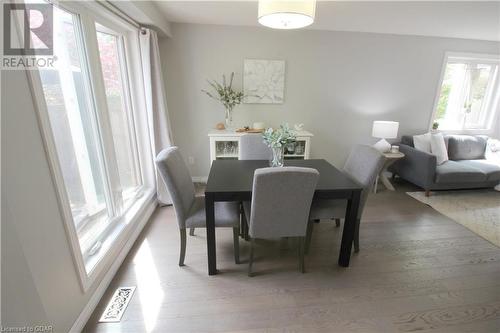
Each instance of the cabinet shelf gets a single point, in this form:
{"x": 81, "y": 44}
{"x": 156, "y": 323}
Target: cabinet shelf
{"x": 294, "y": 155}
{"x": 224, "y": 145}
{"x": 227, "y": 156}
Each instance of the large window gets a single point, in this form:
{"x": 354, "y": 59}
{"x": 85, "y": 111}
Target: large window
{"x": 88, "y": 101}
{"x": 469, "y": 93}
{"x": 74, "y": 125}
{"x": 117, "y": 97}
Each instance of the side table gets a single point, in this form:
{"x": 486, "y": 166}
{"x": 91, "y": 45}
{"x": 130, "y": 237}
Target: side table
{"x": 390, "y": 158}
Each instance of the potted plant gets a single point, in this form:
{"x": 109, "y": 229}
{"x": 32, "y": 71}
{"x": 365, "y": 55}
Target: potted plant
{"x": 225, "y": 94}
{"x": 435, "y": 126}
{"x": 276, "y": 139}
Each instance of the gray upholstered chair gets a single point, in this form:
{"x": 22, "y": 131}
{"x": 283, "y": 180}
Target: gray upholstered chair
{"x": 189, "y": 209}
{"x": 281, "y": 200}
{"x": 252, "y": 147}
{"x": 363, "y": 165}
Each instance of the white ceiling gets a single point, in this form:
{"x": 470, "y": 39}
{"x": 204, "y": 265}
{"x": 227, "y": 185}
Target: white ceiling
{"x": 472, "y": 20}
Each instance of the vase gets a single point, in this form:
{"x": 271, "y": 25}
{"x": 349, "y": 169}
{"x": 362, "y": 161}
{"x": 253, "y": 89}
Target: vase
{"x": 277, "y": 158}
{"x": 228, "y": 118}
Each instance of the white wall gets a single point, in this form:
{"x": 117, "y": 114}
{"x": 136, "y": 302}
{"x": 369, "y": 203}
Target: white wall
{"x": 337, "y": 83}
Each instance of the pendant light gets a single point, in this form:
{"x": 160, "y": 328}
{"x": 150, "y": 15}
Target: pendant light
{"x": 286, "y": 14}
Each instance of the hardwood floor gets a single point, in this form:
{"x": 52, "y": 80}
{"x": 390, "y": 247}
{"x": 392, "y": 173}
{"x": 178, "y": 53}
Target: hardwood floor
{"x": 417, "y": 271}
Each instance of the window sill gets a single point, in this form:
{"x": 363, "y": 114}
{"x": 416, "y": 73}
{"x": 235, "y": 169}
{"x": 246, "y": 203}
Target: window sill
{"x": 100, "y": 262}
{"x": 468, "y": 131}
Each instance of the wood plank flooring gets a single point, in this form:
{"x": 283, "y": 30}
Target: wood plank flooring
{"x": 417, "y": 271}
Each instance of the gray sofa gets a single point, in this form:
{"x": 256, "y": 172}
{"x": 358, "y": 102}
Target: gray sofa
{"x": 467, "y": 166}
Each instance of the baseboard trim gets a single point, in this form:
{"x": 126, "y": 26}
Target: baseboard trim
{"x": 94, "y": 300}
{"x": 199, "y": 179}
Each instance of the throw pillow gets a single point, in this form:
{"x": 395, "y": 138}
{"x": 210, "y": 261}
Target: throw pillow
{"x": 422, "y": 142}
{"x": 493, "y": 151}
{"x": 438, "y": 148}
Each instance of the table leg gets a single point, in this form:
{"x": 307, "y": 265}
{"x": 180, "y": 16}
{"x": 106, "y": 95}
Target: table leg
{"x": 210, "y": 221}
{"x": 349, "y": 228}
{"x": 383, "y": 178}
{"x": 386, "y": 181}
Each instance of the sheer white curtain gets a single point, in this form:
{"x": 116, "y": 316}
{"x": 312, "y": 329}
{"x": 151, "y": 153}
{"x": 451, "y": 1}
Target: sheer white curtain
{"x": 156, "y": 103}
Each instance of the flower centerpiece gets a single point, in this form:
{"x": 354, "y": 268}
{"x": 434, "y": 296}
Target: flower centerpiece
{"x": 276, "y": 139}
{"x": 225, "y": 94}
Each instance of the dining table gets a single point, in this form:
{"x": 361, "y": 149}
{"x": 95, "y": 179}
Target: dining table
{"x": 232, "y": 180}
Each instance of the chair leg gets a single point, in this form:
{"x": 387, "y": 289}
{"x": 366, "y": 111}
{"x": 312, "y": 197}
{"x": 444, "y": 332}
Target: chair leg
{"x": 310, "y": 227}
{"x": 356, "y": 236}
{"x": 183, "y": 247}
{"x": 427, "y": 193}
{"x": 191, "y": 231}
{"x": 245, "y": 229}
{"x": 301, "y": 254}
{"x": 242, "y": 217}
{"x": 236, "y": 243}
{"x": 250, "y": 260}
{"x": 337, "y": 223}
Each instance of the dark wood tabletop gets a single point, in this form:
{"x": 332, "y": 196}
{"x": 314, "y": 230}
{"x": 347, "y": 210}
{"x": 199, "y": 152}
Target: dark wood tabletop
{"x": 237, "y": 175}
{"x": 232, "y": 180}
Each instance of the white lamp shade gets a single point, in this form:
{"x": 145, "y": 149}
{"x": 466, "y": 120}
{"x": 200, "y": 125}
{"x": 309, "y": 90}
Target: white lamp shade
{"x": 385, "y": 129}
{"x": 291, "y": 14}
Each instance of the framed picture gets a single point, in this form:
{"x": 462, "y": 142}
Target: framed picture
{"x": 263, "y": 81}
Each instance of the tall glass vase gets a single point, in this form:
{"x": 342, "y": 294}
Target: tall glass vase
{"x": 277, "y": 158}
{"x": 229, "y": 118}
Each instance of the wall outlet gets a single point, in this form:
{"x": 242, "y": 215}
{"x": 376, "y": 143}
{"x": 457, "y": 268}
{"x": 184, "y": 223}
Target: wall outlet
{"x": 191, "y": 160}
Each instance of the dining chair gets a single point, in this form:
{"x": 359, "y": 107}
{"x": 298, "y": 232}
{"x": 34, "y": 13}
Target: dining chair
{"x": 363, "y": 165}
{"x": 281, "y": 201}
{"x": 190, "y": 209}
{"x": 252, "y": 147}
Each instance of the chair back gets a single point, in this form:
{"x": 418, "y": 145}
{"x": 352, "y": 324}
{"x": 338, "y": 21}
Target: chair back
{"x": 281, "y": 201}
{"x": 252, "y": 147}
{"x": 363, "y": 165}
{"x": 175, "y": 174}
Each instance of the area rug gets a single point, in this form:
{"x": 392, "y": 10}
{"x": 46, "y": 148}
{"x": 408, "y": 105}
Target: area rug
{"x": 477, "y": 210}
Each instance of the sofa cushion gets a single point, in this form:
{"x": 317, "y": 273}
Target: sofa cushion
{"x": 466, "y": 147}
{"x": 489, "y": 168}
{"x": 423, "y": 142}
{"x": 455, "y": 172}
{"x": 438, "y": 148}
{"x": 407, "y": 140}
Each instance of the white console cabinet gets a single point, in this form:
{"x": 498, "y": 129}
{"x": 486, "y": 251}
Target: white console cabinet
{"x": 225, "y": 145}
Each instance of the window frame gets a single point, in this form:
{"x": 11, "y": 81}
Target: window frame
{"x": 121, "y": 227}
{"x": 495, "y": 98}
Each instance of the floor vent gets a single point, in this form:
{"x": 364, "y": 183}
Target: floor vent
{"x": 117, "y": 305}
